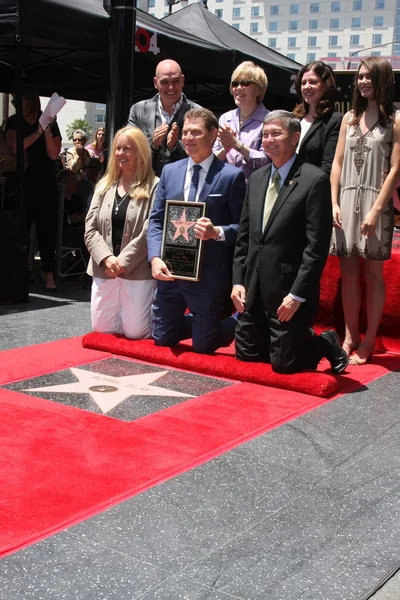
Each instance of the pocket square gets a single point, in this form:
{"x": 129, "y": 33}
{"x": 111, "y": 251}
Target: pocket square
{"x": 214, "y": 195}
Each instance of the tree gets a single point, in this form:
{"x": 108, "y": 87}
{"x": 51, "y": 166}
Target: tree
{"x": 78, "y": 124}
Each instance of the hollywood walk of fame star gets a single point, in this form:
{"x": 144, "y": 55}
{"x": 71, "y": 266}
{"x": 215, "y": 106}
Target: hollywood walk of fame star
{"x": 182, "y": 226}
{"x": 109, "y": 391}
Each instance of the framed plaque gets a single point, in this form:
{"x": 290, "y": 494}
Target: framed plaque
{"x": 181, "y": 250}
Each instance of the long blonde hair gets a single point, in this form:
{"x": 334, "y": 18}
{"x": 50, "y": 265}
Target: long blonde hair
{"x": 144, "y": 174}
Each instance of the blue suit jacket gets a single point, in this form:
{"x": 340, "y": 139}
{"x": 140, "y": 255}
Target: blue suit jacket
{"x": 223, "y": 191}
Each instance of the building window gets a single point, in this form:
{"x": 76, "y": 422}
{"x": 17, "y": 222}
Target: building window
{"x": 291, "y": 56}
{"x": 312, "y": 41}
{"x": 274, "y": 9}
{"x": 314, "y": 7}
{"x": 333, "y": 40}
{"x": 272, "y": 42}
{"x": 378, "y": 21}
{"x": 253, "y": 27}
{"x": 311, "y": 57}
{"x": 151, "y": 3}
{"x": 219, "y": 0}
{"x": 334, "y": 24}
{"x": 335, "y": 6}
{"x": 99, "y": 119}
{"x": 292, "y": 25}
{"x": 375, "y": 53}
{"x": 354, "y": 40}
{"x": 291, "y": 42}
{"x": 294, "y": 9}
{"x": 255, "y": 11}
{"x": 166, "y": 14}
{"x": 313, "y": 24}
{"x": 236, "y": 26}
{"x": 218, "y": 13}
{"x": 101, "y": 105}
{"x": 236, "y": 13}
{"x": 356, "y": 22}
{"x": 273, "y": 25}
{"x": 379, "y": 4}
{"x": 377, "y": 39}
{"x": 332, "y": 54}
{"x": 357, "y": 4}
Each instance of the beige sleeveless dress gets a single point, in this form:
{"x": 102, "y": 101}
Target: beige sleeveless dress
{"x": 366, "y": 164}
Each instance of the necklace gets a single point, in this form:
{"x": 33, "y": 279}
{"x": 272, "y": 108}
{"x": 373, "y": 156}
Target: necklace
{"x": 118, "y": 204}
{"x": 243, "y": 118}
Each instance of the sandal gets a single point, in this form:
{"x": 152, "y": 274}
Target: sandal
{"x": 361, "y": 360}
{"x": 350, "y": 348}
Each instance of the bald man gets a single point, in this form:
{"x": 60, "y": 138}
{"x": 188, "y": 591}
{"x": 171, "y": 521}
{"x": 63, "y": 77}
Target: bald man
{"x": 161, "y": 117}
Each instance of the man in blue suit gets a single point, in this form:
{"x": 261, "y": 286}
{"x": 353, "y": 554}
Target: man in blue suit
{"x": 204, "y": 178}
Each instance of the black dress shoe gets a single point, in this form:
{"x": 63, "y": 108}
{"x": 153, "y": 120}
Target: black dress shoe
{"x": 336, "y": 355}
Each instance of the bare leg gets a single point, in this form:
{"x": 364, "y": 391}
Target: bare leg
{"x": 375, "y": 300}
{"x": 351, "y": 300}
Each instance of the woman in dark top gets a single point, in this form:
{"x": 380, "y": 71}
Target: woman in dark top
{"x": 42, "y": 147}
{"x": 320, "y": 124}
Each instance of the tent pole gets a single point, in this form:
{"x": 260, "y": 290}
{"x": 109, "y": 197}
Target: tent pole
{"x": 18, "y": 90}
{"x": 122, "y": 54}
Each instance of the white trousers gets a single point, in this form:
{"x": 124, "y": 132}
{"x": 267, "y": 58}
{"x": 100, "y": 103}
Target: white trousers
{"x": 122, "y": 306}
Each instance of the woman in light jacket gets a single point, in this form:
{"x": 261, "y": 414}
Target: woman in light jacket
{"x": 115, "y": 235}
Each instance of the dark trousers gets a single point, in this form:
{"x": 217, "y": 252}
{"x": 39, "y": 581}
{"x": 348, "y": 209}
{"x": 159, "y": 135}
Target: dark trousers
{"x": 289, "y": 346}
{"x": 204, "y": 325}
{"x": 41, "y": 205}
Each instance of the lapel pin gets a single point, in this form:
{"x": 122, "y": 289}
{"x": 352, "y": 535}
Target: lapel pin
{"x": 291, "y": 182}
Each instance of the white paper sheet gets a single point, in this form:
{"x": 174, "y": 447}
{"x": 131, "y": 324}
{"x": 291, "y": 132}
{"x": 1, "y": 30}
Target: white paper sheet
{"x": 53, "y": 107}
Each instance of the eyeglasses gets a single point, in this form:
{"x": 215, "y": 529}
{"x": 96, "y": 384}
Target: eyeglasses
{"x": 244, "y": 83}
{"x": 77, "y": 139}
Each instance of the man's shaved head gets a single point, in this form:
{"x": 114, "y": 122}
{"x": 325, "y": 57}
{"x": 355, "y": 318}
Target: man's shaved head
{"x": 167, "y": 66}
{"x": 169, "y": 82}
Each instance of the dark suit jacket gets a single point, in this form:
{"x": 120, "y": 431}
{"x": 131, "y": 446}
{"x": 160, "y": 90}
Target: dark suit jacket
{"x": 319, "y": 144}
{"x": 290, "y": 254}
{"x": 146, "y": 117}
{"x": 223, "y": 191}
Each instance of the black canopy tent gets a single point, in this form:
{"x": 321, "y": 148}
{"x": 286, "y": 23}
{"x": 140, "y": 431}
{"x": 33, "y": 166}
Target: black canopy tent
{"x": 281, "y": 71}
{"x": 66, "y": 48}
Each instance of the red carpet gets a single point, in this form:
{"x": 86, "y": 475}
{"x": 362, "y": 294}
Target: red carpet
{"x": 21, "y": 363}
{"x": 222, "y": 364}
{"x": 61, "y": 465}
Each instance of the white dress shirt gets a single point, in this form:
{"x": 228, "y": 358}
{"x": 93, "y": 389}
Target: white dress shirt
{"x": 165, "y": 116}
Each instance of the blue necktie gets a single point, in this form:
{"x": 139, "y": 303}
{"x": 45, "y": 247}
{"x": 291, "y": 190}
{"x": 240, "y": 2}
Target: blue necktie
{"x": 194, "y": 184}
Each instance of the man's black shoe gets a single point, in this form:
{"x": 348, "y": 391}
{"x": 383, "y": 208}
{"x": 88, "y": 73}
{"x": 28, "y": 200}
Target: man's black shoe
{"x": 336, "y": 355}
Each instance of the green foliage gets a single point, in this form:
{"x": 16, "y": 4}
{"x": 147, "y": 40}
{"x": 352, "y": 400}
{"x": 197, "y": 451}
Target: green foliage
{"x": 78, "y": 124}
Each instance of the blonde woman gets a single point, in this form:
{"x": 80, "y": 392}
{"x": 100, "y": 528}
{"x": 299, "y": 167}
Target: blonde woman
{"x": 116, "y": 237}
{"x": 240, "y": 130}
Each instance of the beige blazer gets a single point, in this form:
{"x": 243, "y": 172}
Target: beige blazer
{"x": 98, "y": 235}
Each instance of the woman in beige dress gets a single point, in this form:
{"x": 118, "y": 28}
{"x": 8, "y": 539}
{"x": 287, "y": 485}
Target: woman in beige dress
{"x": 364, "y": 174}
{"x": 116, "y": 237}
